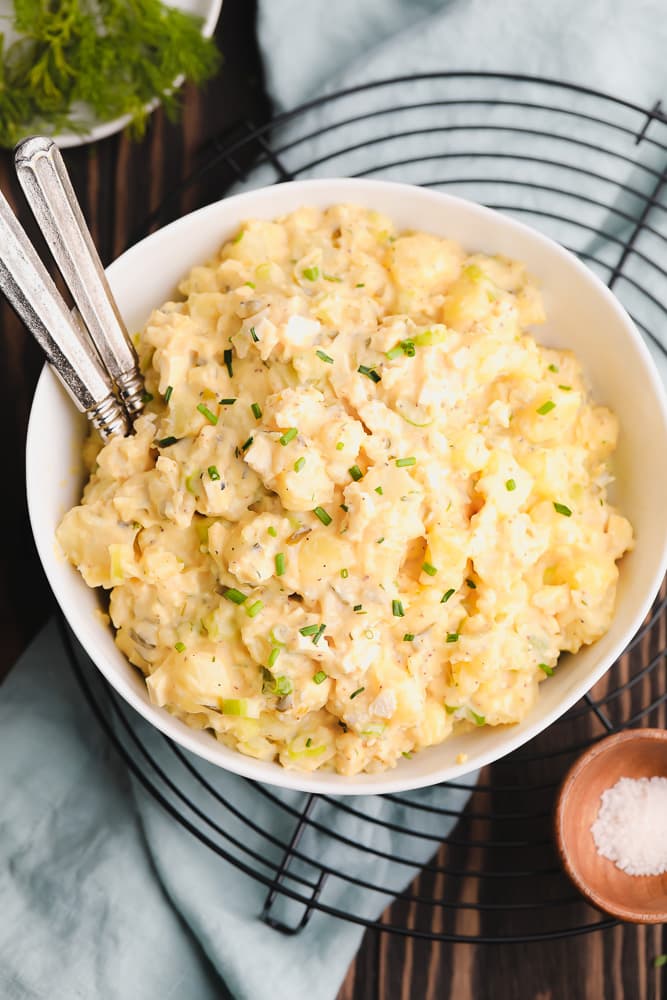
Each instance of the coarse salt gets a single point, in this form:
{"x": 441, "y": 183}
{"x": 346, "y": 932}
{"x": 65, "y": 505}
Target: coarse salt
{"x": 631, "y": 826}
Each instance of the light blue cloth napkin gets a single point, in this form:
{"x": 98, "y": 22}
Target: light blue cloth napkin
{"x": 101, "y": 894}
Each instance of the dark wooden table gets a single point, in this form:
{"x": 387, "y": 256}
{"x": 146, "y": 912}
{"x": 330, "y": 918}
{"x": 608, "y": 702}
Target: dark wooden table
{"x": 119, "y": 182}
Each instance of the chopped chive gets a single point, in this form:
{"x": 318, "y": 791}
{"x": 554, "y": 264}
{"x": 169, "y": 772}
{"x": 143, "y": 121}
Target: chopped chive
{"x": 360, "y": 284}
{"x": 311, "y": 273}
{"x": 378, "y": 489}
{"x": 407, "y": 754}
{"x": 452, "y": 637}
{"x": 450, "y": 709}
{"x": 253, "y": 334}
{"x": 356, "y": 473}
{"x": 254, "y": 609}
{"x": 205, "y": 412}
{"x": 246, "y": 444}
{"x": 288, "y": 436}
{"x": 546, "y": 407}
{"x": 395, "y": 352}
{"x": 251, "y": 284}
{"x": 447, "y": 595}
{"x": 299, "y": 464}
{"x": 379, "y": 541}
{"x": 472, "y": 584}
{"x": 319, "y": 677}
{"x": 257, "y": 411}
{"x": 431, "y": 570}
{"x": 355, "y": 693}
{"x": 408, "y": 348}
{"x": 179, "y": 647}
{"x": 232, "y": 594}
{"x": 308, "y": 741}
{"x": 344, "y": 507}
{"x": 280, "y": 564}
{"x": 357, "y": 607}
{"x": 318, "y": 635}
{"x": 553, "y": 368}
{"x": 510, "y": 485}
{"x": 213, "y": 473}
{"x": 322, "y": 514}
{"x": 272, "y": 531}
{"x": 324, "y": 357}
{"x": 548, "y": 670}
{"x": 565, "y": 388}
{"x": 273, "y": 656}
{"x": 403, "y": 463}
{"x": 331, "y": 277}
{"x": 309, "y": 629}
{"x": 340, "y": 446}
{"x": 165, "y": 442}
{"x": 227, "y": 356}
{"x": 480, "y": 720}
{"x": 345, "y": 573}
{"x": 239, "y": 236}
{"x": 408, "y": 637}
{"x": 168, "y": 392}
{"x": 227, "y": 402}
{"x": 397, "y": 609}
{"x": 369, "y": 373}
{"x": 282, "y": 686}
{"x": 560, "y": 508}
{"x": 147, "y": 397}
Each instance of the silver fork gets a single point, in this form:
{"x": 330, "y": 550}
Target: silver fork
{"x": 32, "y": 293}
{"x": 46, "y": 184}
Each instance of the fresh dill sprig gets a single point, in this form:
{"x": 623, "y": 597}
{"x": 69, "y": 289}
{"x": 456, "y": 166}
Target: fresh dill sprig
{"x": 114, "y": 56}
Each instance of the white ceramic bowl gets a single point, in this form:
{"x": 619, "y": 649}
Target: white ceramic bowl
{"x": 582, "y": 315}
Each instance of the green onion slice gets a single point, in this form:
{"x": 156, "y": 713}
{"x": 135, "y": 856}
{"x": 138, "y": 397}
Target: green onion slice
{"x": 321, "y": 513}
{"x": 288, "y": 436}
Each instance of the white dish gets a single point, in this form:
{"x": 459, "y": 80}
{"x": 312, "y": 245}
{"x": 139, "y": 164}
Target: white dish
{"x": 582, "y": 315}
{"x": 208, "y": 10}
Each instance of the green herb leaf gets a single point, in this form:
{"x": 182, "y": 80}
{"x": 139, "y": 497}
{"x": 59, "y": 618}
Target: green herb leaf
{"x": 445, "y": 597}
{"x": 299, "y": 464}
{"x": 397, "y": 609}
{"x": 548, "y": 670}
{"x": 256, "y": 410}
{"x": 113, "y": 57}
{"x": 404, "y": 463}
{"x": 168, "y": 392}
{"x": 321, "y": 513}
{"x": 311, "y": 273}
{"x": 369, "y": 373}
{"x": 325, "y": 357}
{"x": 280, "y": 564}
{"x": 213, "y": 472}
{"x": 355, "y": 693}
{"x": 288, "y": 436}
{"x": 205, "y": 412}
{"x": 560, "y": 508}
{"x": 232, "y": 594}
{"x": 356, "y": 473}
{"x": 429, "y": 569}
{"x": 546, "y": 407}
{"x": 319, "y": 677}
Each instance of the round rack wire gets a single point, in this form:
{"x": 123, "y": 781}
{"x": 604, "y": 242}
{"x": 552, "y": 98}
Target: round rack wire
{"x": 470, "y": 861}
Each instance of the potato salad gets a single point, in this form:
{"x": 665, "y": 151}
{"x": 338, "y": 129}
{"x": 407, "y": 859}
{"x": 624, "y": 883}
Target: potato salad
{"x": 363, "y": 507}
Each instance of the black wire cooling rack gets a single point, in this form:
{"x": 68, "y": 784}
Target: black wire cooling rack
{"x": 589, "y": 170}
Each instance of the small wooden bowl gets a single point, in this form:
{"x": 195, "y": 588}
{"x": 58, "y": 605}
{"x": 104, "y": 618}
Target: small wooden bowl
{"x": 634, "y": 753}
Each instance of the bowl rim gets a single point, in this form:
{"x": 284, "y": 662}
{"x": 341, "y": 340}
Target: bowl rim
{"x": 397, "y": 779}
{"x": 576, "y": 771}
